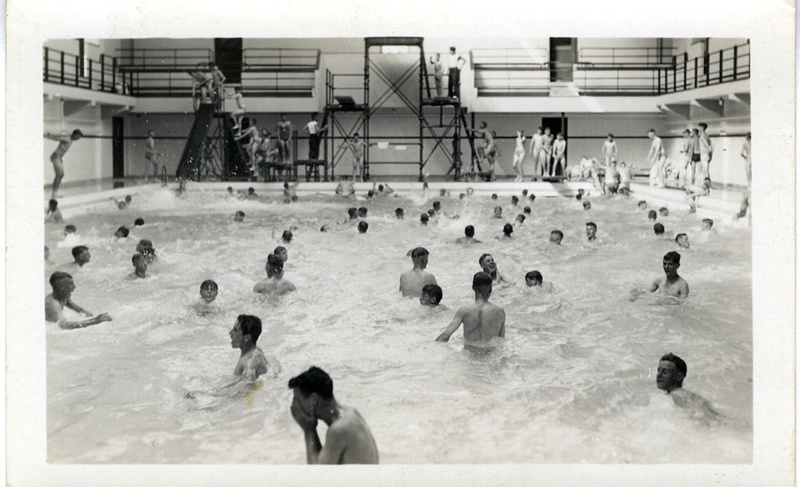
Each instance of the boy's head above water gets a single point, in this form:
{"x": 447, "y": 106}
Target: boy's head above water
{"x": 707, "y": 223}
{"x": 533, "y": 278}
{"x": 658, "y": 229}
{"x": 208, "y": 290}
{"x": 245, "y": 331}
{"x": 431, "y": 295}
{"x": 556, "y": 236}
{"x": 682, "y": 240}
{"x": 652, "y": 215}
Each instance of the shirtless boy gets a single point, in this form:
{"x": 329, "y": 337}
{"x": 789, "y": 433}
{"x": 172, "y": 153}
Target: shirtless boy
{"x": 54, "y": 304}
{"x": 57, "y": 157}
{"x": 431, "y": 295}
{"x": 536, "y": 149}
{"x": 658, "y": 157}
{"x": 519, "y": 157}
{"x": 244, "y": 335}
{"x": 348, "y": 439}
{"x": 489, "y": 267}
{"x": 469, "y": 236}
{"x": 151, "y": 155}
{"x": 412, "y": 282}
{"x": 671, "y": 284}
{"x": 482, "y": 320}
{"x": 274, "y": 283}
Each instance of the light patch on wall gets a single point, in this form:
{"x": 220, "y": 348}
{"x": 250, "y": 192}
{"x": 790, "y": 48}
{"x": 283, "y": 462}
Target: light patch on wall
{"x": 394, "y": 49}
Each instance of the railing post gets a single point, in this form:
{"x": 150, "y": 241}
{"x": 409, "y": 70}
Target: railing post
{"x": 674, "y": 74}
{"x": 62, "y": 67}
{"x": 77, "y": 70}
{"x": 720, "y": 66}
{"x": 707, "y": 64}
{"x": 735, "y": 60}
{"x": 46, "y": 58}
{"x": 659, "y": 81}
{"x": 695, "y": 72}
{"x": 685, "y": 69}
{"x": 113, "y": 74}
{"x": 102, "y": 72}
{"x": 90, "y": 74}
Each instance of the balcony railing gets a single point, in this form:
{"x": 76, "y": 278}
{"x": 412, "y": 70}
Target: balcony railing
{"x": 280, "y": 60}
{"x": 163, "y": 60}
{"x": 625, "y": 57}
{"x": 101, "y": 74}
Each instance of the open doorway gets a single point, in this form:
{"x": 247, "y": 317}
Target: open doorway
{"x": 563, "y": 54}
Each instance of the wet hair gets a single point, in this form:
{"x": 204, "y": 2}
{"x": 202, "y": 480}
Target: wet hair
{"x": 658, "y": 229}
{"x": 527, "y": 210}
{"x": 274, "y": 265}
{"x": 482, "y": 258}
{"x": 702, "y": 125}
{"x": 437, "y": 204}
{"x": 592, "y": 224}
{"x": 680, "y": 235}
{"x": 353, "y": 212}
{"x": 587, "y": 205}
{"x": 521, "y": 218}
{"x": 532, "y": 197}
{"x": 559, "y": 233}
{"x": 709, "y": 222}
{"x": 251, "y": 325}
{"x": 514, "y": 199}
{"x": 651, "y": 131}
{"x": 673, "y": 256}
{"x": 313, "y": 381}
{"x": 139, "y": 222}
{"x": 686, "y": 132}
{"x": 663, "y": 211}
{"x": 399, "y": 212}
{"x": 210, "y": 285}
{"x": 70, "y": 229}
{"x": 652, "y": 214}
{"x": 57, "y": 276}
{"x": 286, "y": 185}
{"x": 679, "y": 364}
{"x": 323, "y": 228}
{"x": 230, "y": 189}
{"x": 77, "y": 132}
{"x": 494, "y": 196}
{"x": 362, "y": 211}
{"x": 433, "y": 291}
{"x": 53, "y": 205}
{"x": 419, "y": 252}
{"x": 128, "y": 198}
{"x": 579, "y": 196}
{"x": 363, "y": 226}
{"x": 508, "y": 229}
{"x": 380, "y": 187}
{"x": 431, "y": 212}
{"x": 442, "y": 192}
{"x": 370, "y": 193}
{"x": 642, "y": 203}
{"x": 240, "y": 213}
{"x": 424, "y": 218}
{"x": 279, "y": 248}
{"x": 469, "y": 231}
{"x": 251, "y": 190}
{"x": 534, "y": 276}
{"x": 76, "y": 251}
{"x": 481, "y": 279}
{"x": 136, "y": 258}
{"x": 124, "y": 231}
{"x": 286, "y": 236}
{"x": 498, "y": 208}
{"x": 524, "y": 192}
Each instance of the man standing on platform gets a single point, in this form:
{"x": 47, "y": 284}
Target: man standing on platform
{"x": 314, "y": 132}
{"x": 455, "y": 63}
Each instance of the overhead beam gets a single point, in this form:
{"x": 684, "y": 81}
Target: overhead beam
{"x": 681, "y": 109}
{"x": 716, "y": 105}
{"x": 71, "y": 107}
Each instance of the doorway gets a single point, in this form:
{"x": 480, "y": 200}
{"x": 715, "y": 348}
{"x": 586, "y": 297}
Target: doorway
{"x": 118, "y": 147}
{"x": 228, "y": 56}
{"x": 563, "y": 54}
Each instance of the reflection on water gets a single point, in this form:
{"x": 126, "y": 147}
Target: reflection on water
{"x": 573, "y": 382}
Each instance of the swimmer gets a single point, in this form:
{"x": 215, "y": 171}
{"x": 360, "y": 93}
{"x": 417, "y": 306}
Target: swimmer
{"x": 208, "y": 291}
{"x": 444, "y": 193}
{"x": 290, "y": 190}
{"x": 489, "y": 266}
{"x": 138, "y": 222}
{"x": 244, "y": 335}
{"x": 437, "y": 206}
{"x": 363, "y": 226}
{"x": 399, "y": 214}
{"x": 281, "y": 252}
{"x": 145, "y": 247}
{"x": 587, "y": 205}
{"x": 239, "y": 216}
{"x": 591, "y": 231}
{"x": 274, "y": 283}
{"x": 385, "y": 190}
{"x": 746, "y": 155}
{"x": 682, "y": 240}
{"x": 498, "y": 212}
{"x": 524, "y": 193}
{"x": 238, "y": 114}
{"x": 352, "y": 214}
{"x": 535, "y": 280}
{"x": 423, "y": 219}
{"x": 412, "y": 282}
{"x": 672, "y": 284}
{"x": 494, "y": 196}
{"x": 508, "y": 229}
{"x": 580, "y": 194}
{"x": 470, "y": 191}
{"x": 70, "y": 230}
{"x": 658, "y": 229}
{"x": 438, "y": 73}
{"x": 642, "y": 204}
{"x": 122, "y": 232}
{"x": 230, "y": 191}
{"x": 431, "y": 295}
{"x": 707, "y": 224}
{"x": 469, "y": 236}
{"x": 527, "y": 210}
{"x": 663, "y": 211}
{"x": 520, "y": 219}
{"x": 139, "y": 267}
{"x": 519, "y": 157}
{"x": 669, "y": 378}
{"x": 251, "y": 193}
{"x": 81, "y": 255}
{"x": 285, "y": 130}
{"x": 625, "y": 178}
{"x": 53, "y": 214}
{"x": 482, "y": 320}
{"x": 362, "y": 212}
{"x": 514, "y": 200}
{"x": 556, "y": 236}
{"x": 286, "y": 236}
{"x": 706, "y": 152}
{"x": 57, "y": 157}
{"x": 348, "y": 439}
{"x": 357, "y": 146}
{"x": 652, "y": 215}
{"x": 122, "y": 205}
{"x": 54, "y": 304}
{"x": 345, "y": 188}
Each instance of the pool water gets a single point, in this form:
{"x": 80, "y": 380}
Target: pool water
{"x": 573, "y": 382}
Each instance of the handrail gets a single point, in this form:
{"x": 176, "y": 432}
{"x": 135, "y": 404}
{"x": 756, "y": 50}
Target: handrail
{"x": 280, "y": 59}
{"x": 619, "y": 56}
{"x": 136, "y": 59}
{"x": 94, "y": 74}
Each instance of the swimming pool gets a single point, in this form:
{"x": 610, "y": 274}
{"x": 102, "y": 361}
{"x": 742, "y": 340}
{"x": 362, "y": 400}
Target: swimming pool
{"x": 574, "y": 381}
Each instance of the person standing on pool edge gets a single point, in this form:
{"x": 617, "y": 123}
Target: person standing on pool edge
{"x": 64, "y": 143}
{"x": 348, "y": 440}
{"x": 412, "y": 282}
{"x": 482, "y": 320}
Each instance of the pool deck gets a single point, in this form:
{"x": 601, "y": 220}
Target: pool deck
{"x": 723, "y": 203}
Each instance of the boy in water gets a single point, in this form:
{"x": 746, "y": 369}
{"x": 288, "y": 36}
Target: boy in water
{"x": 682, "y": 240}
{"x": 81, "y": 255}
{"x": 53, "y": 214}
{"x": 671, "y": 284}
{"x": 208, "y": 291}
{"x": 556, "y": 236}
{"x": 652, "y": 215}
{"x": 145, "y": 247}
{"x": 489, "y": 266}
{"x": 244, "y": 335}
{"x": 669, "y": 378}
{"x": 707, "y": 224}
{"x": 412, "y": 282}
{"x": 139, "y": 267}
{"x": 274, "y": 283}
{"x": 238, "y": 217}
{"x": 431, "y": 295}
{"x": 469, "y": 236}
{"x": 591, "y": 231}
{"x": 508, "y": 229}
{"x": 348, "y": 439}
{"x": 658, "y": 229}
{"x": 534, "y": 279}
{"x": 399, "y": 214}
{"x": 122, "y": 232}
{"x": 482, "y": 320}
{"x": 282, "y": 253}
{"x": 625, "y": 177}
{"x": 54, "y": 304}
{"x": 363, "y": 226}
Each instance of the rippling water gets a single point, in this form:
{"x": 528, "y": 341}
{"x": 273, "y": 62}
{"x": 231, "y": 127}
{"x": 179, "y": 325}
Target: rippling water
{"x": 573, "y": 382}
